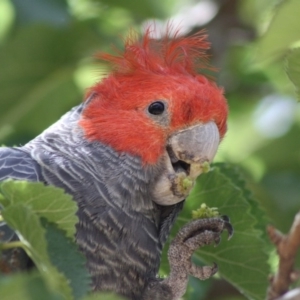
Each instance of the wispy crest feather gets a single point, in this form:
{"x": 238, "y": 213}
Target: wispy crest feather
{"x": 172, "y": 54}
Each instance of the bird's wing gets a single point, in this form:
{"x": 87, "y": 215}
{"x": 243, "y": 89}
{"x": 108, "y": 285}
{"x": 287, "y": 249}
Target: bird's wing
{"x": 15, "y": 164}
{"x": 18, "y": 164}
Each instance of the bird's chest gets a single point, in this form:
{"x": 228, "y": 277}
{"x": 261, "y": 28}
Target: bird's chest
{"x": 122, "y": 250}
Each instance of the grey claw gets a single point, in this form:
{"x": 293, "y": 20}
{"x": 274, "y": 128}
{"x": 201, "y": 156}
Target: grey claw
{"x": 227, "y": 226}
{"x": 225, "y": 218}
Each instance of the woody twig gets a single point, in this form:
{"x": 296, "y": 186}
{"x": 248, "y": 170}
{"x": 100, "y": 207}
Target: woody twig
{"x": 287, "y": 247}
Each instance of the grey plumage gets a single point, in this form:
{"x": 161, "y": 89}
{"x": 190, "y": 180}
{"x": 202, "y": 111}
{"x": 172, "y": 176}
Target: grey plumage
{"x": 121, "y": 230}
{"x": 18, "y": 164}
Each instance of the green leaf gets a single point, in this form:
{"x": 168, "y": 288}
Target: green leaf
{"x": 283, "y": 31}
{"x": 26, "y": 203}
{"x": 293, "y": 69}
{"x": 242, "y": 261}
{"x": 31, "y": 233}
{"x": 64, "y": 254}
{"x": 26, "y": 287}
{"x": 49, "y": 202}
{"x": 236, "y": 176}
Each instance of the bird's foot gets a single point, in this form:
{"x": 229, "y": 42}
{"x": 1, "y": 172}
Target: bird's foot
{"x": 192, "y": 236}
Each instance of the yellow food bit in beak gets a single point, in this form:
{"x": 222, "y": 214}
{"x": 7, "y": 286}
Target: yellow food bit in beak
{"x": 205, "y": 167}
{"x": 187, "y": 183}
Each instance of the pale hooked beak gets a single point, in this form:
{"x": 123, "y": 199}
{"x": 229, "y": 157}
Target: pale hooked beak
{"x": 189, "y": 152}
{"x": 192, "y": 147}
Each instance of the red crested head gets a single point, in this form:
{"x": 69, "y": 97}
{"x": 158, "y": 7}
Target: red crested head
{"x": 154, "y": 90}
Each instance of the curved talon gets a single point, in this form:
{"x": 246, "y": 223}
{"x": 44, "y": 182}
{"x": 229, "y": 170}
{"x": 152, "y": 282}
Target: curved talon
{"x": 225, "y": 218}
{"x": 227, "y": 226}
{"x": 229, "y": 229}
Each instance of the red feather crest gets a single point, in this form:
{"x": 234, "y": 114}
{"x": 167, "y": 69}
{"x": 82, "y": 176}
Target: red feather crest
{"x": 172, "y": 54}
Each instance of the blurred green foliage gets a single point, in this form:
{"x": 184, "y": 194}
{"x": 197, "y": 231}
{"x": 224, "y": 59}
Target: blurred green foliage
{"x": 47, "y": 61}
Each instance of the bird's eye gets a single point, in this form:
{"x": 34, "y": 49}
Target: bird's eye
{"x": 156, "y": 108}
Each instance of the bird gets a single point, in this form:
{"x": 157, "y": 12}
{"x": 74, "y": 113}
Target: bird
{"x": 129, "y": 155}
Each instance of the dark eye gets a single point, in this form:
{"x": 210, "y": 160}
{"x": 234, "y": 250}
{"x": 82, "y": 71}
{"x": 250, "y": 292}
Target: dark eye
{"x": 156, "y": 108}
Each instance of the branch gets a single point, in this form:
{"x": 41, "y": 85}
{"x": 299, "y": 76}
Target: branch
{"x": 287, "y": 247}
